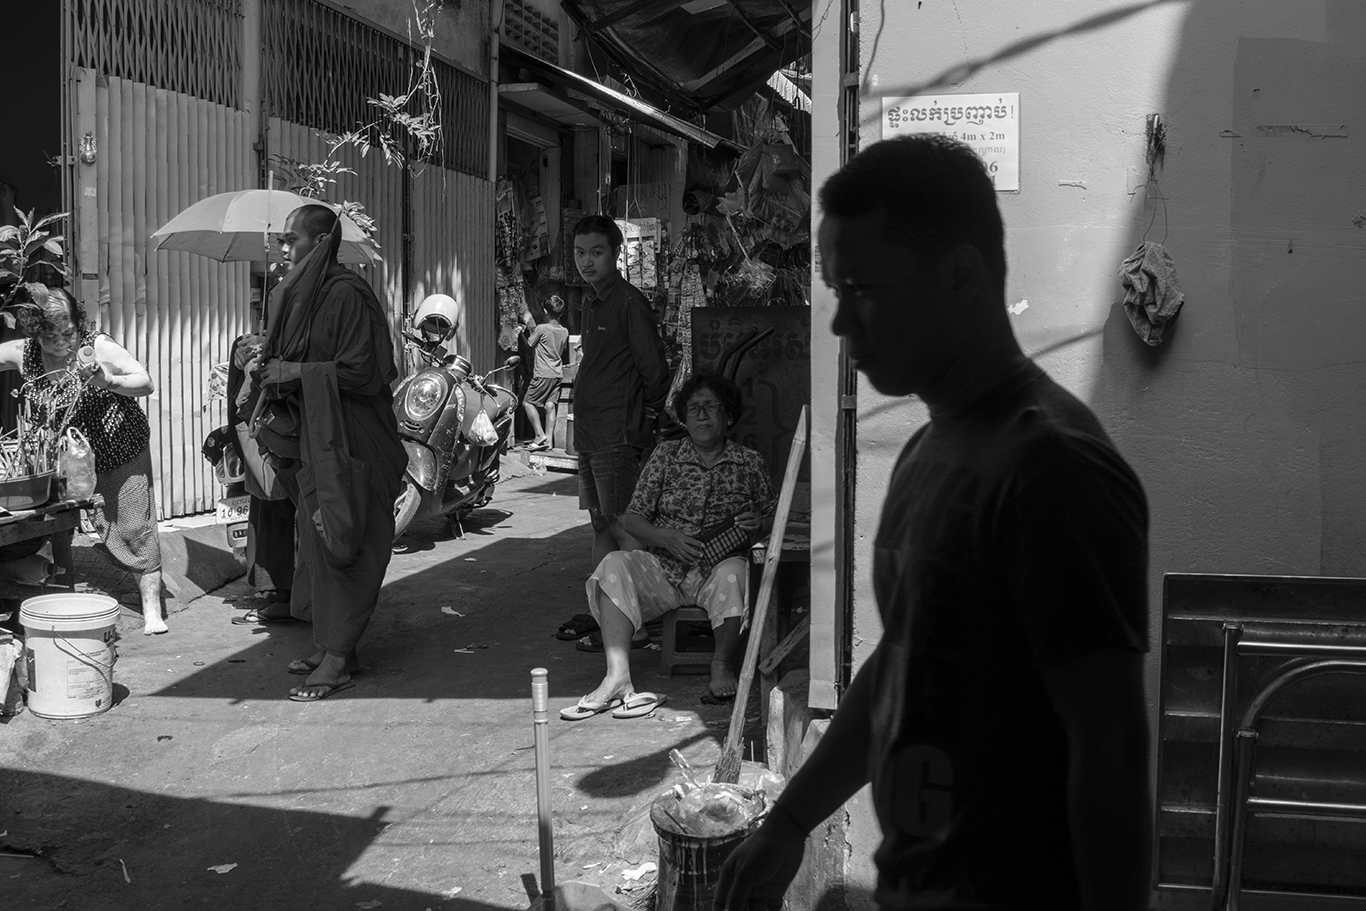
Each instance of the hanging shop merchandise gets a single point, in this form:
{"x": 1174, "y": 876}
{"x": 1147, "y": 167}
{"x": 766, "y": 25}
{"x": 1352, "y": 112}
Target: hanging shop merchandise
{"x": 509, "y": 240}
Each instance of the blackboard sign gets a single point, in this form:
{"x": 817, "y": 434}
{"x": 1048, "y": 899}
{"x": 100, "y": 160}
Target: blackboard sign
{"x": 769, "y": 349}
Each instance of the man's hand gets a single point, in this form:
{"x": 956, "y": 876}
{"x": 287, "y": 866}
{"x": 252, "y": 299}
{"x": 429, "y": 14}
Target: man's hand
{"x": 275, "y": 371}
{"x": 757, "y": 873}
{"x": 683, "y": 546}
{"x": 248, "y": 349}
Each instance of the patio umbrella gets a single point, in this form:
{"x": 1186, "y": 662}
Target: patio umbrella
{"x": 237, "y": 227}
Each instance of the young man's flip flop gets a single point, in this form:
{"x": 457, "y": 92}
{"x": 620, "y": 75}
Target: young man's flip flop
{"x": 576, "y": 627}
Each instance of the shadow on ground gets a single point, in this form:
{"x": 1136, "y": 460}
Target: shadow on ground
{"x": 468, "y": 620}
{"x": 268, "y": 857}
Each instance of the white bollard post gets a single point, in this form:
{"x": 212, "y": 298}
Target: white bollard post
{"x": 540, "y": 714}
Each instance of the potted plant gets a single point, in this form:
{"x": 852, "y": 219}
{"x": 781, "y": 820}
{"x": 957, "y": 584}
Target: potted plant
{"x": 32, "y": 267}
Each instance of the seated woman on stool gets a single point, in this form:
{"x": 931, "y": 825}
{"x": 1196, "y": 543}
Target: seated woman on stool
{"x": 686, "y": 487}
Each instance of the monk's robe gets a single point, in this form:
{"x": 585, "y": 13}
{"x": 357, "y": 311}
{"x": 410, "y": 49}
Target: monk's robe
{"x": 347, "y": 364}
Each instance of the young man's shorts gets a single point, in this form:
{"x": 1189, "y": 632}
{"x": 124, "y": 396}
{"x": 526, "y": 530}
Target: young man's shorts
{"x": 542, "y": 390}
{"x": 607, "y": 478}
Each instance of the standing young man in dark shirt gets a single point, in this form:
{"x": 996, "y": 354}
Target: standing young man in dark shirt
{"x": 620, "y": 386}
{"x": 1001, "y": 719}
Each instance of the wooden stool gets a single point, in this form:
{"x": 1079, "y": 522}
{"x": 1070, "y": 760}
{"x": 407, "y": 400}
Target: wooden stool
{"x": 670, "y": 657}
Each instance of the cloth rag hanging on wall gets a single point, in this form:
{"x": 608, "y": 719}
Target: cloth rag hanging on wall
{"x": 1152, "y": 292}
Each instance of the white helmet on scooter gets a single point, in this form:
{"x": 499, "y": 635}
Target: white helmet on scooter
{"x": 437, "y": 317}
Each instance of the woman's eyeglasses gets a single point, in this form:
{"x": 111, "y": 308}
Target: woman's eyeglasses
{"x": 702, "y": 409}
{"x": 51, "y": 335}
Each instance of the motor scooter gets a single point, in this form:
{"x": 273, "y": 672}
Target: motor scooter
{"x": 450, "y": 472}
{"x": 234, "y": 506}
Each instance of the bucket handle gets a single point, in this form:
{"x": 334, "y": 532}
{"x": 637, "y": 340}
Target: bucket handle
{"x": 82, "y": 656}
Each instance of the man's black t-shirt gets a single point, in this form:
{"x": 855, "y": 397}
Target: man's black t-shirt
{"x": 1013, "y": 540}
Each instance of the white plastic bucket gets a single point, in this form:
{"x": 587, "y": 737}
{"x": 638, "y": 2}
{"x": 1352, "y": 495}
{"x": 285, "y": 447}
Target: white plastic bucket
{"x": 69, "y": 654}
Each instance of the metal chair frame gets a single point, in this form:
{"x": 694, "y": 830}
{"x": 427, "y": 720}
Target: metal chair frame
{"x": 1238, "y": 744}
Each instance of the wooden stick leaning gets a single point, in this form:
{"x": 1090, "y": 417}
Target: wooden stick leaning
{"x": 728, "y": 766}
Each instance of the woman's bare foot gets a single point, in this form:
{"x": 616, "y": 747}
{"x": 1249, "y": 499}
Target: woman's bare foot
{"x": 723, "y": 681}
{"x": 149, "y": 588}
{"x": 610, "y": 688}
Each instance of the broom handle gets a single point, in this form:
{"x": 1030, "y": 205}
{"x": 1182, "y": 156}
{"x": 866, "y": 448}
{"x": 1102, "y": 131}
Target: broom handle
{"x": 728, "y": 767}
{"x": 540, "y": 716}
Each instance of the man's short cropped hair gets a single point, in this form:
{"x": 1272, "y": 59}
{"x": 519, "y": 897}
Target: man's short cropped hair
{"x": 600, "y": 224}
{"x": 933, "y": 192}
{"x": 316, "y": 219}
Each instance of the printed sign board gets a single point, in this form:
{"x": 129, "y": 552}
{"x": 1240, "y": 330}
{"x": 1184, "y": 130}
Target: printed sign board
{"x": 988, "y": 124}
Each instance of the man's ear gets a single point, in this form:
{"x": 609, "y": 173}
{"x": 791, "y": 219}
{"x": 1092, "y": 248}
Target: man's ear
{"x": 965, "y": 271}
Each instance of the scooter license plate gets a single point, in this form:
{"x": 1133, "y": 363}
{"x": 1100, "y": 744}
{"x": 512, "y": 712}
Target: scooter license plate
{"x": 233, "y": 509}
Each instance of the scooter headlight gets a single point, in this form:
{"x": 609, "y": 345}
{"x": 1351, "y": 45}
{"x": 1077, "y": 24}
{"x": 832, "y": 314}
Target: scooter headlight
{"x": 424, "y": 396}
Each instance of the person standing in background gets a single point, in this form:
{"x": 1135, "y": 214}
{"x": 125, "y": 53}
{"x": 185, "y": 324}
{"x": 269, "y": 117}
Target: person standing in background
{"x": 620, "y": 387}
{"x": 549, "y": 344}
{"x": 329, "y": 355}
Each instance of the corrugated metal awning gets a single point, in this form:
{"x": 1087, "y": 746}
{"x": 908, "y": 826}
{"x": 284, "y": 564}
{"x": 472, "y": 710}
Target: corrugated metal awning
{"x": 709, "y": 54}
{"x": 619, "y": 101}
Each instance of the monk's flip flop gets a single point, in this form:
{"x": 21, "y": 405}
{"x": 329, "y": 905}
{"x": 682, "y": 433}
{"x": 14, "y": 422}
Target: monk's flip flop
{"x": 327, "y": 689}
{"x": 302, "y": 667}
{"x": 254, "y": 617}
{"x": 581, "y": 709}
{"x": 638, "y": 705}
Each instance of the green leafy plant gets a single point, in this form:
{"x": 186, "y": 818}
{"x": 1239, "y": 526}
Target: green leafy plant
{"x": 406, "y": 129}
{"x": 32, "y": 267}
{"x": 32, "y": 263}
{"x": 312, "y": 180}
{"x": 47, "y": 407}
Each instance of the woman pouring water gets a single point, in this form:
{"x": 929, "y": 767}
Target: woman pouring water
{"x": 103, "y": 388}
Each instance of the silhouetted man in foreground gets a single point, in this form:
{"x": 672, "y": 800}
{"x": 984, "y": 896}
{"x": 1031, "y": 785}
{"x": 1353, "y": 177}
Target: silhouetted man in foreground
{"x": 1001, "y": 720}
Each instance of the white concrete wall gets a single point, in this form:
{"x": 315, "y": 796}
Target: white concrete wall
{"x": 1248, "y": 425}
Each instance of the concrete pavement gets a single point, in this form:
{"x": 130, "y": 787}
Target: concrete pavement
{"x": 205, "y": 787}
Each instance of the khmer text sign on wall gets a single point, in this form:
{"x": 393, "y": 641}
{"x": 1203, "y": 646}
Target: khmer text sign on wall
{"x": 989, "y": 124}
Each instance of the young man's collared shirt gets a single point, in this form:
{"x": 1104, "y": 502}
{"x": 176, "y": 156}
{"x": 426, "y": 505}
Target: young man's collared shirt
{"x": 622, "y": 371}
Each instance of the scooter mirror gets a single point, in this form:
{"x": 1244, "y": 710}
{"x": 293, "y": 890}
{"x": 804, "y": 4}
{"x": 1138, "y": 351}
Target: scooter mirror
{"x": 512, "y": 361}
